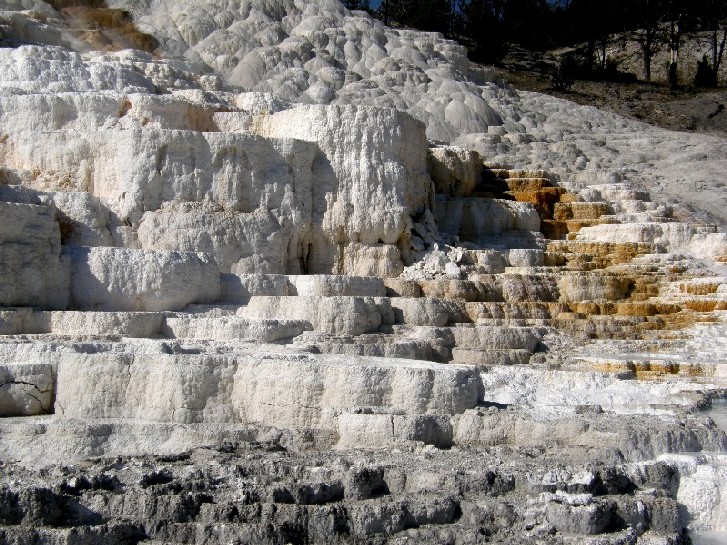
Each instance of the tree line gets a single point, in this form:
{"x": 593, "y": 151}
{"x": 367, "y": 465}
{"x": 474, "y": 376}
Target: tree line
{"x": 487, "y": 27}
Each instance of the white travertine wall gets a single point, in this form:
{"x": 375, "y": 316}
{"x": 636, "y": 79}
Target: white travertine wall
{"x": 372, "y": 174}
{"x": 295, "y": 391}
{"x": 32, "y": 269}
{"x": 141, "y": 280}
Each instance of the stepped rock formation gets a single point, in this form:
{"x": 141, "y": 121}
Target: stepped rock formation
{"x": 273, "y": 272}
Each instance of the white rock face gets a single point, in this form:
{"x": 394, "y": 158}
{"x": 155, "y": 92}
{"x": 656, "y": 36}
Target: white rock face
{"x": 337, "y": 315}
{"x": 307, "y": 390}
{"x": 88, "y": 323}
{"x": 332, "y": 285}
{"x": 370, "y": 191}
{"x": 84, "y": 219}
{"x": 582, "y": 286}
{"x": 303, "y": 386}
{"x": 702, "y": 489}
{"x": 455, "y": 171}
{"x": 26, "y": 389}
{"x": 673, "y": 237}
{"x": 222, "y": 249}
{"x": 250, "y": 201}
{"x": 233, "y": 328}
{"x": 318, "y": 52}
{"x": 321, "y": 53}
{"x": 32, "y": 269}
{"x": 479, "y": 219}
{"x": 121, "y": 279}
{"x": 136, "y": 171}
{"x": 242, "y": 243}
{"x": 489, "y": 338}
{"x": 427, "y": 311}
{"x": 238, "y": 288}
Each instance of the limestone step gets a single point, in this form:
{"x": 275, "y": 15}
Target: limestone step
{"x": 542, "y": 199}
{"x": 521, "y": 248}
{"x": 645, "y": 366}
{"x": 15, "y": 320}
{"x": 636, "y": 217}
{"x": 465, "y": 290}
{"x": 617, "y": 326}
{"x": 618, "y": 193}
{"x": 484, "y": 261}
{"x": 401, "y": 287}
{"x": 500, "y": 188}
{"x": 703, "y": 305}
{"x": 78, "y": 323}
{"x": 630, "y": 308}
{"x": 580, "y": 210}
{"x": 575, "y": 225}
{"x": 51, "y": 349}
{"x": 636, "y": 206}
{"x": 428, "y": 311}
{"x": 480, "y": 337}
{"x": 670, "y": 236}
{"x": 123, "y": 279}
{"x": 493, "y": 170}
{"x": 34, "y": 273}
{"x": 490, "y": 357}
{"x": 239, "y": 288}
{"x": 553, "y": 229}
{"x": 525, "y": 252}
{"x": 704, "y": 286}
{"x": 537, "y": 270}
{"x": 578, "y": 253}
{"x": 473, "y": 218}
{"x": 281, "y": 390}
{"x": 26, "y": 389}
{"x": 510, "y": 286}
{"x": 514, "y": 322}
{"x": 336, "y": 315}
{"x": 374, "y": 344}
{"x": 611, "y": 285}
{"x": 473, "y": 336}
{"x": 91, "y": 533}
{"x": 213, "y": 311}
{"x": 181, "y": 326}
{"x": 526, "y": 310}
{"x": 336, "y": 285}
{"x": 46, "y": 437}
{"x": 528, "y": 184}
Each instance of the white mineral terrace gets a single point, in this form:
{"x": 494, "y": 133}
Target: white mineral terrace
{"x": 292, "y": 276}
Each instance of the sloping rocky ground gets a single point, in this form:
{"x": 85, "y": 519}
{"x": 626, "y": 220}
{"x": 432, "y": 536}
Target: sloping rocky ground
{"x": 278, "y": 273}
{"x": 687, "y": 109}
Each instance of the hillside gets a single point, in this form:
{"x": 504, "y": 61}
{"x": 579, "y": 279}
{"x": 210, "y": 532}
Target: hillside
{"x": 687, "y": 109}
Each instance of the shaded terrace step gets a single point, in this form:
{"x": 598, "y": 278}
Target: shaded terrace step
{"x": 240, "y": 287}
{"x": 80, "y": 323}
{"x": 186, "y": 326}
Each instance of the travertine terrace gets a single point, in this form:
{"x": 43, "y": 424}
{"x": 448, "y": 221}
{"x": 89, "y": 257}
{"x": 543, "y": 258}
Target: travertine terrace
{"x": 272, "y": 272}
